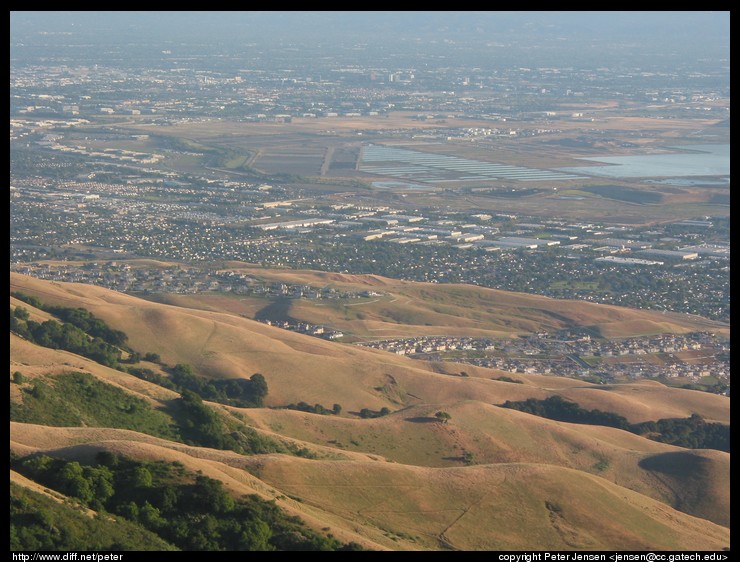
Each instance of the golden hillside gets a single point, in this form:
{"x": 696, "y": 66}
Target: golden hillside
{"x": 402, "y": 481}
{"x": 407, "y": 309}
{"x": 471, "y": 508}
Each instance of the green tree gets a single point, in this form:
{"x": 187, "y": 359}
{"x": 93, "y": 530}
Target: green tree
{"x": 101, "y": 482}
{"x": 444, "y": 417}
{"x": 38, "y": 392}
{"x": 168, "y": 498}
{"x": 259, "y": 388}
{"x": 106, "y": 458}
{"x": 150, "y": 517}
{"x": 130, "y": 511}
{"x": 73, "y": 482}
{"x": 141, "y": 478}
{"x": 21, "y": 313}
{"x": 39, "y": 466}
{"x": 255, "y": 536}
{"x": 209, "y": 492}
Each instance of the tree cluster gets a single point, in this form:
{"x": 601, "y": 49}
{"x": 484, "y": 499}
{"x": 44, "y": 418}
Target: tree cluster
{"x": 693, "y": 432}
{"x": 557, "y": 408}
{"x": 79, "y": 399}
{"x": 80, "y": 318}
{"x": 315, "y": 409}
{"x": 191, "y": 512}
{"x": 367, "y": 413}
{"x": 202, "y": 425}
{"x": 67, "y": 337}
{"x": 38, "y": 522}
{"x": 243, "y": 393}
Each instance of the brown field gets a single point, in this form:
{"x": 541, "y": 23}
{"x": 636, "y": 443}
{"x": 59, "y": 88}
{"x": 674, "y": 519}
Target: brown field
{"x": 302, "y": 368}
{"x": 495, "y": 435}
{"x": 399, "y": 482}
{"x": 326, "y": 149}
{"x": 438, "y": 503}
{"x": 207, "y": 129}
{"x": 396, "y": 506}
{"x": 83, "y": 443}
{"x": 649, "y": 400}
{"x": 595, "y": 208}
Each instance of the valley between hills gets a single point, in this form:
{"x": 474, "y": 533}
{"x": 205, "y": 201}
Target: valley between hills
{"x": 372, "y": 449}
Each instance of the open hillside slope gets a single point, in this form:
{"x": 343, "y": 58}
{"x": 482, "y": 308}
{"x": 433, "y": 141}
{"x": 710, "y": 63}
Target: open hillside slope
{"x": 487, "y": 506}
{"x": 471, "y": 508}
{"x": 483, "y": 434}
{"x": 397, "y": 308}
{"x": 301, "y": 368}
{"x": 407, "y": 479}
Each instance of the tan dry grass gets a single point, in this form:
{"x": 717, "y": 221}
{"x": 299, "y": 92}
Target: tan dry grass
{"x": 301, "y": 368}
{"x": 407, "y": 308}
{"x": 83, "y": 444}
{"x": 494, "y": 435}
{"x": 651, "y": 400}
{"x": 486, "y": 507}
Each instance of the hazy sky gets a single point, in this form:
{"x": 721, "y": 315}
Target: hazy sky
{"x": 673, "y": 26}
{"x": 588, "y": 39}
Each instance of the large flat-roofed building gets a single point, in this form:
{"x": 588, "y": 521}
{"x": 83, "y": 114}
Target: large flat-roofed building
{"x": 439, "y": 231}
{"x": 528, "y": 242}
{"x": 626, "y": 261}
{"x": 669, "y": 254}
{"x": 405, "y": 240}
{"x": 513, "y": 245}
{"x": 708, "y": 250}
{"x": 376, "y": 234}
{"x": 294, "y": 224}
{"x": 379, "y": 220}
{"x": 403, "y": 218}
{"x": 622, "y": 243}
{"x": 695, "y": 223}
{"x": 466, "y": 238}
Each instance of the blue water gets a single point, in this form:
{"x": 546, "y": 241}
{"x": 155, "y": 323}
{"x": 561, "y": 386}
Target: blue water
{"x": 708, "y": 160}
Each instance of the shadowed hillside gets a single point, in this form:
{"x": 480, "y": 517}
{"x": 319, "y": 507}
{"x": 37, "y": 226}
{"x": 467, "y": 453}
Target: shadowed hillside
{"x": 406, "y": 308}
{"x": 406, "y": 479}
{"x": 432, "y": 508}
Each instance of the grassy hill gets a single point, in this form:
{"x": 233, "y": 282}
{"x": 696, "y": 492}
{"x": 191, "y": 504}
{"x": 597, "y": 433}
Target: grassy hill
{"x": 401, "y": 481}
{"x": 487, "y": 507}
{"x": 49, "y": 514}
{"x": 406, "y": 309}
{"x": 481, "y": 434}
{"x": 428, "y": 508}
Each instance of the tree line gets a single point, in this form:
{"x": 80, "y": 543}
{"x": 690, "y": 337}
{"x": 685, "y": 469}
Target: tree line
{"x": 188, "y": 511}
{"x": 243, "y": 393}
{"x": 65, "y": 336}
{"x": 692, "y": 432}
{"x": 78, "y": 317}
